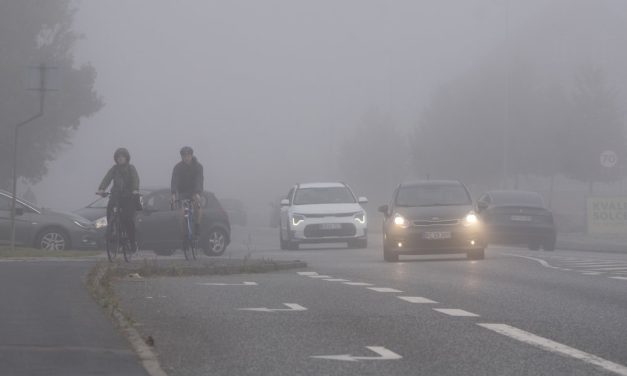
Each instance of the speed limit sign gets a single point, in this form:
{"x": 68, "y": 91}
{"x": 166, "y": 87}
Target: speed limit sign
{"x": 609, "y": 158}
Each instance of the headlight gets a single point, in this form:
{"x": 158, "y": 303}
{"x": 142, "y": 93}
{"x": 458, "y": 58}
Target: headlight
{"x": 297, "y": 219}
{"x": 82, "y": 224}
{"x": 400, "y": 221}
{"x": 101, "y": 222}
{"x": 360, "y": 217}
{"x": 471, "y": 219}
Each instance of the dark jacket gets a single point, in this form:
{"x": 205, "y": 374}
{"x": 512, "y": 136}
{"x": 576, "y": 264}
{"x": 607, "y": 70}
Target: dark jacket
{"x": 187, "y": 179}
{"x": 125, "y": 180}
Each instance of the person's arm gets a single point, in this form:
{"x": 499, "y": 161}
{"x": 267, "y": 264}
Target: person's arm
{"x": 174, "y": 183}
{"x": 107, "y": 180}
{"x": 134, "y": 179}
{"x": 200, "y": 180}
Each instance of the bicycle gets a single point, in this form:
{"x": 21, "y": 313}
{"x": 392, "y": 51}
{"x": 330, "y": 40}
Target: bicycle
{"x": 116, "y": 238}
{"x": 190, "y": 241}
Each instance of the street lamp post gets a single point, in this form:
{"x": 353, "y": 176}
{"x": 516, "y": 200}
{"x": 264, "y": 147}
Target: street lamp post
{"x": 41, "y": 88}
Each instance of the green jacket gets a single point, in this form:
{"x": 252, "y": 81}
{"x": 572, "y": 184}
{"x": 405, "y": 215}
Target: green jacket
{"x": 125, "y": 180}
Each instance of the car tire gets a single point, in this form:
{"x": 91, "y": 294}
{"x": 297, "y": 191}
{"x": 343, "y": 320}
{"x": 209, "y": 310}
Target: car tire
{"x": 478, "y": 254}
{"x": 53, "y": 239}
{"x": 164, "y": 252}
{"x": 282, "y": 242}
{"x": 216, "y": 242}
{"x": 358, "y": 244}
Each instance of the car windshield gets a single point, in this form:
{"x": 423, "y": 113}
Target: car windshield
{"x": 327, "y": 195}
{"x": 517, "y": 199}
{"x": 432, "y": 195}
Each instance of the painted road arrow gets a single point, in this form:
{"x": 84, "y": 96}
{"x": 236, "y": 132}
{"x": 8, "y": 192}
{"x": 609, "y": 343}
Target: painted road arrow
{"x": 384, "y": 354}
{"x": 228, "y": 284}
{"x": 291, "y": 307}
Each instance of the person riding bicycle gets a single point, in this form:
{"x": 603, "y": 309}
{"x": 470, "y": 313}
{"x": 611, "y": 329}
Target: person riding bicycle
{"x": 124, "y": 193}
{"x": 188, "y": 184}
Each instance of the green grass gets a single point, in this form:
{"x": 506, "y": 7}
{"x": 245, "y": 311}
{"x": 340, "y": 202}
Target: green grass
{"x": 5, "y": 252}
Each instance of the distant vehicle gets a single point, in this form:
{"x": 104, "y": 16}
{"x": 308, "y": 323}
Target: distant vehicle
{"x": 431, "y": 217}
{"x": 236, "y": 211}
{"x": 44, "y": 228}
{"x": 517, "y": 217}
{"x": 158, "y": 227}
{"x": 322, "y": 213}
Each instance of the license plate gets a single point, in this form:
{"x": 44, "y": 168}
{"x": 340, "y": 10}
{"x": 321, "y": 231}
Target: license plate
{"x": 521, "y": 218}
{"x": 435, "y": 235}
{"x": 330, "y": 226}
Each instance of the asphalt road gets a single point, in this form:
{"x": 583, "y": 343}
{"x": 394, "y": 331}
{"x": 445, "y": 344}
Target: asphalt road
{"x": 50, "y": 326}
{"x": 517, "y": 312}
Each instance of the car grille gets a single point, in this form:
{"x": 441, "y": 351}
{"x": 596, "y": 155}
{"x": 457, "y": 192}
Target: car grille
{"x": 439, "y": 222}
{"x": 315, "y": 231}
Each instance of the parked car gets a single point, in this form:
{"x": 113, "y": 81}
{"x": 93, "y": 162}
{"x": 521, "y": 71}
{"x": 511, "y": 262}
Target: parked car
{"x": 44, "y": 228}
{"x": 323, "y": 213}
{"x": 236, "y": 211}
{"x": 431, "y": 217}
{"x": 158, "y": 227}
{"x": 517, "y": 217}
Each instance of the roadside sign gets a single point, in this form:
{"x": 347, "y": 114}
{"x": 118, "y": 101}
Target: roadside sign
{"x": 607, "y": 215}
{"x": 609, "y": 158}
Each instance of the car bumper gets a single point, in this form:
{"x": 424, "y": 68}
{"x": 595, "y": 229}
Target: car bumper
{"x": 520, "y": 234}
{"x": 329, "y": 231}
{"x": 85, "y": 240}
{"x": 416, "y": 241}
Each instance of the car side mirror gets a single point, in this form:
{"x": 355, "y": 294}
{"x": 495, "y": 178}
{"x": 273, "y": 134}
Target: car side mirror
{"x": 285, "y": 202}
{"x": 362, "y": 200}
{"x": 384, "y": 209}
{"x": 19, "y": 211}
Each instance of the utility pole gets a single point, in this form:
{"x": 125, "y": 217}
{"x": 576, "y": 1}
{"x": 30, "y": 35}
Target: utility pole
{"x": 41, "y": 88}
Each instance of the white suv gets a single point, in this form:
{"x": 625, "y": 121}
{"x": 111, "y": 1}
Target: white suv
{"x": 323, "y": 213}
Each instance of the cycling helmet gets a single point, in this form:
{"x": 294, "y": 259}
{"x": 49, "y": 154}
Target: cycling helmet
{"x": 123, "y": 152}
{"x": 187, "y": 150}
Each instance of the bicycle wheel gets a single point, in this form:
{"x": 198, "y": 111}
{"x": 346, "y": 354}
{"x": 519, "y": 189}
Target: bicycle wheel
{"x": 113, "y": 240}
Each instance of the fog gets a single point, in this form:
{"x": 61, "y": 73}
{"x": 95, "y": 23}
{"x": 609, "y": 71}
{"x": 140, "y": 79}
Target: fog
{"x": 266, "y": 91}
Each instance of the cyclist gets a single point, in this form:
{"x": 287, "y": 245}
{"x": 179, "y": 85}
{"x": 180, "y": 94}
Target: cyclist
{"x": 187, "y": 184}
{"x": 124, "y": 193}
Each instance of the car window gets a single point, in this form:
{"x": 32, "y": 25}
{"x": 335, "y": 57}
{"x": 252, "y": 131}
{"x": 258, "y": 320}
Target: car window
{"x": 433, "y": 195}
{"x": 328, "y": 195}
{"x": 210, "y": 201}
{"x": 157, "y": 201}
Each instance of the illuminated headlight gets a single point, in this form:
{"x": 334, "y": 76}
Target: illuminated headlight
{"x": 83, "y": 224}
{"x": 297, "y": 219}
{"x": 101, "y": 222}
{"x": 400, "y": 221}
{"x": 471, "y": 219}
{"x": 360, "y": 217}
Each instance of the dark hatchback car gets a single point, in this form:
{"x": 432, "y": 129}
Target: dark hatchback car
{"x": 517, "y": 217}
{"x": 431, "y": 217}
{"x": 158, "y": 227}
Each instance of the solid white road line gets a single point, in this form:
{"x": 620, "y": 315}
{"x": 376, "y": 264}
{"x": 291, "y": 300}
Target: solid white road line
{"x": 307, "y": 273}
{"x": 383, "y": 289}
{"x": 319, "y": 276}
{"x": 542, "y": 262}
{"x": 591, "y": 273}
{"x": 417, "y": 299}
{"x": 455, "y": 312}
{"x": 555, "y": 347}
{"x": 358, "y": 284}
{"x": 336, "y": 280}
{"x": 607, "y": 269}
{"x": 623, "y": 278}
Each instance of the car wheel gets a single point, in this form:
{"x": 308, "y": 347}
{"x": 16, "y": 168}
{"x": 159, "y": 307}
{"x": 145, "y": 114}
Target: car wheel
{"x": 282, "y": 242}
{"x": 478, "y": 254}
{"x": 534, "y": 246}
{"x": 164, "y": 252}
{"x": 549, "y": 244}
{"x": 388, "y": 255}
{"x": 216, "y": 242}
{"x": 53, "y": 239}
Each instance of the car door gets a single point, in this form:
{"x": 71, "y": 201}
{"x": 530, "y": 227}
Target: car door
{"x": 158, "y": 226}
{"x": 23, "y": 222}
{"x": 284, "y": 223}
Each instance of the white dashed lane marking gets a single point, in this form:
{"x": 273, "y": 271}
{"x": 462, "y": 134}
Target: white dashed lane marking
{"x": 358, "y": 284}
{"x": 383, "y": 289}
{"x": 588, "y": 267}
{"x": 417, "y": 299}
{"x": 336, "y": 280}
{"x": 319, "y": 276}
{"x": 307, "y": 273}
{"x": 455, "y": 312}
{"x": 622, "y": 278}
{"x": 555, "y": 347}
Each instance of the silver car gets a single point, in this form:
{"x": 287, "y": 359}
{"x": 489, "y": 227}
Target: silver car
{"x": 43, "y": 228}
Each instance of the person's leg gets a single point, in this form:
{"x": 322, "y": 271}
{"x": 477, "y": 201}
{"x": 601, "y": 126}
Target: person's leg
{"x": 109, "y": 230}
{"x": 129, "y": 220}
